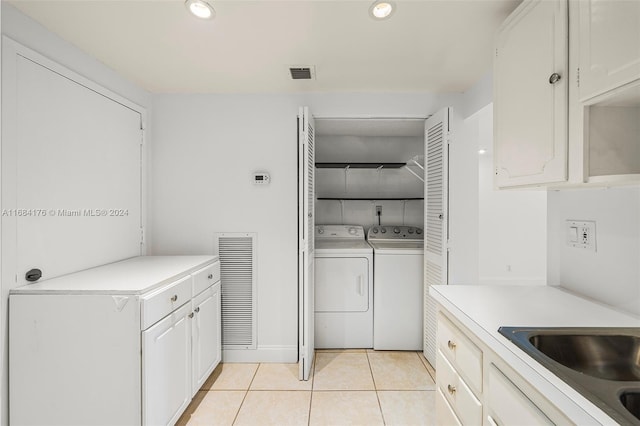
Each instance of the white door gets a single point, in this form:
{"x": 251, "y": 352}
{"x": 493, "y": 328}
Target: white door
{"x": 531, "y": 94}
{"x": 306, "y": 222}
{"x": 206, "y": 351}
{"x": 342, "y": 284}
{"x": 166, "y": 368}
{"x": 436, "y": 205}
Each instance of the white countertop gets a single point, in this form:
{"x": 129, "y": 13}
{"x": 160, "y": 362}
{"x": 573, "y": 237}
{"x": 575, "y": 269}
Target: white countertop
{"x": 131, "y": 276}
{"x": 484, "y": 309}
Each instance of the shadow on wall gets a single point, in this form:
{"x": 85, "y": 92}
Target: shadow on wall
{"x": 363, "y": 212}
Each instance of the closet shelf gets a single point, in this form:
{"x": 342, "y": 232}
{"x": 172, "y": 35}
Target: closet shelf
{"x": 371, "y": 198}
{"x": 359, "y": 165}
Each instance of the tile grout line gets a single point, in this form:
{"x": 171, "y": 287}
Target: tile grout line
{"x": 424, "y": 362}
{"x": 313, "y": 378}
{"x": 235, "y": 418}
{"x": 375, "y": 387}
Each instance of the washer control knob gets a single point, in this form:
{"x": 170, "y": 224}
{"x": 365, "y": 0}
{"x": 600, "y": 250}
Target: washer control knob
{"x": 353, "y": 231}
{"x": 383, "y": 230}
{"x": 320, "y": 230}
{"x": 396, "y": 230}
{"x": 375, "y": 230}
{"x": 418, "y": 231}
{"x": 411, "y": 230}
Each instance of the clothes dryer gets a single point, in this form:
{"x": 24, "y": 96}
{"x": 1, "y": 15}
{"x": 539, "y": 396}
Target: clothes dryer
{"x": 343, "y": 287}
{"x": 398, "y": 287}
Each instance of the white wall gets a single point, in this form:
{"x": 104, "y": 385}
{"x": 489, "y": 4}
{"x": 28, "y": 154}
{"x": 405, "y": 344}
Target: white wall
{"x": 610, "y": 275}
{"x": 497, "y": 237}
{"x": 32, "y": 35}
{"x": 205, "y": 149}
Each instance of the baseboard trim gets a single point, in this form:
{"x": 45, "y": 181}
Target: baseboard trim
{"x": 268, "y": 354}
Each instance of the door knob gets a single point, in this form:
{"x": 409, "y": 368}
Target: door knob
{"x": 554, "y": 78}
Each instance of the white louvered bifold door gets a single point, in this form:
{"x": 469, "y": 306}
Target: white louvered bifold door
{"x": 237, "y": 253}
{"x": 436, "y": 214}
{"x": 306, "y": 222}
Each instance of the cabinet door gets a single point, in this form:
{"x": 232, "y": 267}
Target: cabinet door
{"x": 530, "y": 102}
{"x": 206, "y": 324}
{"x": 609, "y": 45}
{"x": 166, "y": 368}
{"x": 508, "y": 405}
{"x": 444, "y": 412}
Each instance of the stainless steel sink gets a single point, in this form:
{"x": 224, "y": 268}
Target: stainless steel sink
{"x": 609, "y": 357}
{"x": 603, "y": 364}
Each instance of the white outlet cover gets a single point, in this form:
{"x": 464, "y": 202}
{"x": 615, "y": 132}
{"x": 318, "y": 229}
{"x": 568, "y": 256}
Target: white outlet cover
{"x": 581, "y": 234}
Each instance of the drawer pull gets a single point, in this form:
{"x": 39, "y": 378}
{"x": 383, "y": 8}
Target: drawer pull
{"x": 451, "y": 389}
{"x": 197, "y": 309}
{"x": 191, "y": 315}
{"x": 174, "y": 298}
{"x": 210, "y": 276}
{"x": 451, "y": 345}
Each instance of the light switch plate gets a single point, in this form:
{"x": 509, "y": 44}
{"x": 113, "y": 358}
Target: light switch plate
{"x": 581, "y": 234}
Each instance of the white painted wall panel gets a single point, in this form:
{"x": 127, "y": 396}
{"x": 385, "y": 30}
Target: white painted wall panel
{"x": 512, "y": 248}
{"x": 497, "y": 237}
{"x": 78, "y": 175}
{"x": 611, "y": 274}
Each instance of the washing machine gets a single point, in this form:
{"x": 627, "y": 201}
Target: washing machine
{"x": 398, "y": 287}
{"x": 343, "y": 287}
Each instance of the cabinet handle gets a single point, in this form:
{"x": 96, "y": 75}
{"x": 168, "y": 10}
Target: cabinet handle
{"x": 451, "y": 389}
{"x": 191, "y": 315}
{"x": 554, "y": 78}
{"x": 197, "y": 309}
{"x": 210, "y": 276}
{"x": 174, "y": 297}
{"x": 451, "y": 345}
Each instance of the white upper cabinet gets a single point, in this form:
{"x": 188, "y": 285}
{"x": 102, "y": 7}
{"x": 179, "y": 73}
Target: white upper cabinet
{"x": 531, "y": 95}
{"x": 609, "y": 45}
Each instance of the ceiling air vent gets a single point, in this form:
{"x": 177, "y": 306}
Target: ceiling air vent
{"x": 301, "y": 73}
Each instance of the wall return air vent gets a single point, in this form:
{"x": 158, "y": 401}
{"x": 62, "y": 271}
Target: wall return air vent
{"x": 302, "y": 73}
{"x": 237, "y": 253}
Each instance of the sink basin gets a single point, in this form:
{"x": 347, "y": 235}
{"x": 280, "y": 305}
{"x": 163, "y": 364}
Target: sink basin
{"x": 631, "y": 401}
{"x": 602, "y": 364}
{"x": 615, "y": 357}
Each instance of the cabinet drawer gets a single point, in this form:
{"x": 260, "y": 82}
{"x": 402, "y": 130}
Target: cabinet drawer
{"x": 203, "y": 278}
{"x": 463, "y": 354}
{"x": 163, "y": 301}
{"x": 444, "y": 413}
{"x": 508, "y": 405}
{"x": 457, "y": 393}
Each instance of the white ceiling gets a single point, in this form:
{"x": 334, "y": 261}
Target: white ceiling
{"x": 427, "y": 45}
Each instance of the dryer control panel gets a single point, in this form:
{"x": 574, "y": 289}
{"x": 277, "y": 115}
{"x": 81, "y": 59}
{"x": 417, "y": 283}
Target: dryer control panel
{"x": 395, "y": 232}
{"x": 350, "y": 232}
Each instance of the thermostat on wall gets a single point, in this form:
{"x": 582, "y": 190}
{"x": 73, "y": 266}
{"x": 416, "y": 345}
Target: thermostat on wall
{"x": 261, "y": 178}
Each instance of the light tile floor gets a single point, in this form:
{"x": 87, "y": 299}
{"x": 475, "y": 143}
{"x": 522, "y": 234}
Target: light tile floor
{"x": 347, "y": 387}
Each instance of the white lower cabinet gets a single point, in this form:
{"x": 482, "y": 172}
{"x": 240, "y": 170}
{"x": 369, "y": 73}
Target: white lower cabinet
{"x": 457, "y": 393}
{"x": 474, "y": 387}
{"x": 444, "y": 412}
{"x": 166, "y": 368}
{"x": 508, "y": 405}
{"x": 459, "y": 372}
{"x": 125, "y": 344}
{"x": 206, "y": 335}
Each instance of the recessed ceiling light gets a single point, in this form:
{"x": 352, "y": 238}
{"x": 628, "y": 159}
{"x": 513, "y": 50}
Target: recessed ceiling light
{"x": 200, "y": 9}
{"x": 482, "y": 151}
{"x": 382, "y": 9}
